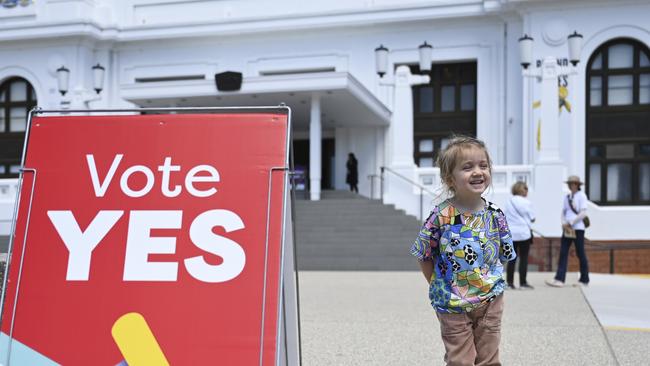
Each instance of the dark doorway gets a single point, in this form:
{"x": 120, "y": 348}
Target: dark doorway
{"x": 301, "y": 160}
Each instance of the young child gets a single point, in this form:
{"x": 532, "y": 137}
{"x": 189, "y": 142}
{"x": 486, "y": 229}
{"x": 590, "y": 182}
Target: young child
{"x": 461, "y": 249}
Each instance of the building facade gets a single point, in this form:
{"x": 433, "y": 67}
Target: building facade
{"x": 318, "y": 57}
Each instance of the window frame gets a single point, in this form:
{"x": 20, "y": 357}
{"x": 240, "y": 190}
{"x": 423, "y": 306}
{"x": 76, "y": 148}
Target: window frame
{"x": 464, "y": 73}
{"x": 635, "y": 114}
{"x": 8, "y": 138}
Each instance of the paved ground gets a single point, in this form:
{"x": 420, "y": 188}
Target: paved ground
{"x": 384, "y": 318}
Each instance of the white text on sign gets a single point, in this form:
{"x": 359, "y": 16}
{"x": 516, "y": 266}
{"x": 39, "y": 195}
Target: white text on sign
{"x": 139, "y": 242}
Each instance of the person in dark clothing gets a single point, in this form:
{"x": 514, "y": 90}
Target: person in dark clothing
{"x": 352, "y": 178}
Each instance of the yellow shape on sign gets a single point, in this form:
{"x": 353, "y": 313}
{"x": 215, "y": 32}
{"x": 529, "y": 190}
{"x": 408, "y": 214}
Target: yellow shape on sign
{"x": 136, "y": 341}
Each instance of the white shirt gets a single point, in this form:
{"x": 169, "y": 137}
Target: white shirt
{"x": 519, "y": 213}
{"x": 580, "y": 204}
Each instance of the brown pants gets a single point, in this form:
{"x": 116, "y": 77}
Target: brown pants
{"x": 473, "y": 338}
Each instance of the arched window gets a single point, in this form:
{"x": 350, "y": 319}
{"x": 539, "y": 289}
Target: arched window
{"x": 17, "y": 98}
{"x": 618, "y": 124}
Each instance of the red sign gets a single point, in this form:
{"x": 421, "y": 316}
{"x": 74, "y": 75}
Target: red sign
{"x": 149, "y": 240}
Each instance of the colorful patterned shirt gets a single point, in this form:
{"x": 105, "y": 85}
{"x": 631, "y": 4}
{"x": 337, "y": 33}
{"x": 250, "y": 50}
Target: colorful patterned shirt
{"x": 468, "y": 251}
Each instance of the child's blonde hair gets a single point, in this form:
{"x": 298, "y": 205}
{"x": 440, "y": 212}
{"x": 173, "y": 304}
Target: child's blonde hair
{"x": 449, "y": 156}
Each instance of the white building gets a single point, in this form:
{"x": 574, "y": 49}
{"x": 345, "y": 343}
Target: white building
{"x": 318, "y": 57}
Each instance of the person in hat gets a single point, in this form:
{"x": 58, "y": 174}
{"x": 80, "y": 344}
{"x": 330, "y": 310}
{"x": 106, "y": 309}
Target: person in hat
{"x": 574, "y": 212}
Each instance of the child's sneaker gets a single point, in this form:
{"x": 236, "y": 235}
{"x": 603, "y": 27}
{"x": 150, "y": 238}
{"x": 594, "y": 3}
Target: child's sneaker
{"x": 555, "y": 283}
{"x": 526, "y": 286}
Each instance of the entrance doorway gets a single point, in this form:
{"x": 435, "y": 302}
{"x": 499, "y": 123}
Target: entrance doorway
{"x": 301, "y": 160}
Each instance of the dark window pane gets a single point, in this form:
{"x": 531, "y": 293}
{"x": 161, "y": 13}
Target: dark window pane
{"x": 467, "y": 102}
{"x": 2, "y": 120}
{"x": 425, "y": 146}
{"x": 448, "y": 98}
{"x": 644, "y": 150}
{"x": 621, "y": 56}
{"x": 620, "y": 151}
{"x": 17, "y": 119}
{"x": 18, "y": 91}
{"x": 643, "y": 59}
{"x": 644, "y": 89}
{"x": 596, "y": 91}
{"x": 468, "y": 72}
{"x": 426, "y": 163}
{"x": 644, "y": 181}
{"x": 619, "y": 182}
{"x": 426, "y": 100}
{"x": 619, "y": 90}
{"x": 448, "y": 73}
{"x": 594, "y": 182}
{"x": 596, "y": 152}
{"x": 598, "y": 62}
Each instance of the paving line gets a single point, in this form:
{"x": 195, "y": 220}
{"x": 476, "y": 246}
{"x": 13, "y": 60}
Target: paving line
{"x": 602, "y": 328}
{"x": 629, "y": 329}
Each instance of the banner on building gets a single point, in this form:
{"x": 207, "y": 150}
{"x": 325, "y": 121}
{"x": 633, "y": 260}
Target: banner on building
{"x": 151, "y": 240}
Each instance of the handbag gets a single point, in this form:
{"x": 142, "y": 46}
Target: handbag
{"x": 568, "y": 232}
{"x": 585, "y": 220}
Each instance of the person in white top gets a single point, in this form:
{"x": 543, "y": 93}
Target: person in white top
{"x": 520, "y": 215}
{"x": 574, "y": 211}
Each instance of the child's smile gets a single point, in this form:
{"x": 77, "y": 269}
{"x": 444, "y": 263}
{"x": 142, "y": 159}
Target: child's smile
{"x": 471, "y": 175}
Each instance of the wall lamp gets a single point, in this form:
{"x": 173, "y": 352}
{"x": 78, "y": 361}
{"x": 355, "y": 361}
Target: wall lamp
{"x": 63, "y": 78}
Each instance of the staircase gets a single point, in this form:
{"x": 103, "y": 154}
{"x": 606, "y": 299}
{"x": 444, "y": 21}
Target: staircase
{"x": 344, "y": 231}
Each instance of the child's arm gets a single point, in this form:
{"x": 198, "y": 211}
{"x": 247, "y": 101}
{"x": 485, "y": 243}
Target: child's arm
{"x": 507, "y": 248}
{"x": 425, "y": 242}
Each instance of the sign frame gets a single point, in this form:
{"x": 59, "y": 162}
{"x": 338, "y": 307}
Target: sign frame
{"x": 287, "y": 334}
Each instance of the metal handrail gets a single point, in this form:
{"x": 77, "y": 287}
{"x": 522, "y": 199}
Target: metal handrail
{"x": 408, "y": 180}
{"x": 372, "y": 178}
{"x": 418, "y": 185}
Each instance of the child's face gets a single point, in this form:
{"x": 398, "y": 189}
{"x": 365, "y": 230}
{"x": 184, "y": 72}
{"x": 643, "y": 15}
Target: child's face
{"x": 471, "y": 174}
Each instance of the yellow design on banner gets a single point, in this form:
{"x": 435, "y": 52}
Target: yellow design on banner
{"x": 538, "y": 104}
{"x": 137, "y": 343}
{"x": 539, "y": 134}
{"x": 564, "y": 93}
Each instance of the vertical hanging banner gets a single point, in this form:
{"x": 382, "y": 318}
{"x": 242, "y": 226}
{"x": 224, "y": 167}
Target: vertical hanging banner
{"x": 149, "y": 240}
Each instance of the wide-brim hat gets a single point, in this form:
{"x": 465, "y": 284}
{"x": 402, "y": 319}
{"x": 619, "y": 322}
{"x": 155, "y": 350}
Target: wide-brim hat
{"x": 574, "y": 179}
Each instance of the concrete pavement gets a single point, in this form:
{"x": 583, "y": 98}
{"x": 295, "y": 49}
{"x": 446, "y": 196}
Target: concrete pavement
{"x": 384, "y": 318}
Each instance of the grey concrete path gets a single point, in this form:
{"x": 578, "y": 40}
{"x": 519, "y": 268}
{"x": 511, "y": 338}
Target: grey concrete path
{"x": 384, "y": 318}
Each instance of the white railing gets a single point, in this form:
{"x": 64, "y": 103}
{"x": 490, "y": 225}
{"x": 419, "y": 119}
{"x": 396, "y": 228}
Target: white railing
{"x": 503, "y": 177}
{"x": 8, "y": 189}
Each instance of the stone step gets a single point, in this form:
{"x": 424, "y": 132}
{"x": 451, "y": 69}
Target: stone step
{"x": 353, "y": 233}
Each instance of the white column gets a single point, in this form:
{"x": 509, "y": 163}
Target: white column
{"x": 315, "y": 142}
{"x": 549, "y": 170}
{"x": 402, "y": 121}
{"x": 550, "y": 129}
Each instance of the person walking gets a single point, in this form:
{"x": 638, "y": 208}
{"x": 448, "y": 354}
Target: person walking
{"x": 460, "y": 249}
{"x": 352, "y": 177}
{"x": 519, "y": 212}
{"x": 574, "y": 222}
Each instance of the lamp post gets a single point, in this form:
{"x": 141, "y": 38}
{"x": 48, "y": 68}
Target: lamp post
{"x": 400, "y": 131}
{"x": 549, "y": 170}
{"x": 401, "y": 127}
{"x": 547, "y": 74}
